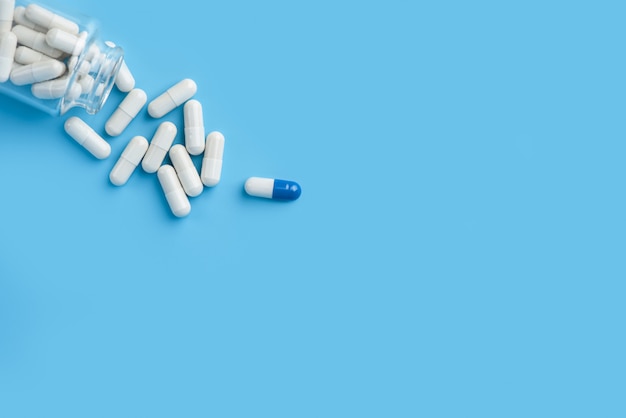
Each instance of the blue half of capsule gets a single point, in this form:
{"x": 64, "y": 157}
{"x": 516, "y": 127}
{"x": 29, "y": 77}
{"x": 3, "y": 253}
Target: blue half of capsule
{"x": 286, "y": 190}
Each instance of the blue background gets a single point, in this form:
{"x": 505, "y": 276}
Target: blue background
{"x": 457, "y": 251}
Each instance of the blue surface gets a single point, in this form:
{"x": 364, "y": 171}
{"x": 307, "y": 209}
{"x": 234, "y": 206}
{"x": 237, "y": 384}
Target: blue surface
{"x": 457, "y": 251}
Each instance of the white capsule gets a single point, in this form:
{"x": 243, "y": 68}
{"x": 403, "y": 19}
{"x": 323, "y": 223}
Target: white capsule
{"x": 126, "y": 112}
{"x": 6, "y": 15}
{"x": 174, "y": 192}
{"x": 186, "y": 171}
{"x": 35, "y": 40}
{"x": 159, "y": 146}
{"x": 129, "y": 160}
{"x": 37, "y": 72}
{"x": 124, "y": 81}
{"x": 87, "y": 137}
{"x": 212, "y": 161}
{"x": 25, "y": 55}
{"x": 52, "y": 89}
{"x": 81, "y": 68}
{"x": 194, "y": 127}
{"x": 19, "y": 18}
{"x": 66, "y": 42}
{"x": 8, "y": 44}
{"x": 48, "y": 19}
{"x": 172, "y": 98}
{"x": 86, "y": 83}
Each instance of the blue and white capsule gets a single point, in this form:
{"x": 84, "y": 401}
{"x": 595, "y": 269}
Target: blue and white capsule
{"x": 272, "y": 188}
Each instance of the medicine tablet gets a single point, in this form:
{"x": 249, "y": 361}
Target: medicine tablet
{"x": 174, "y": 192}
{"x": 35, "y": 40}
{"x": 8, "y": 44}
{"x": 126, "y": 112}
{"x": 25, "y": 55}
{"x": 124, "y": 81}
{"x": 159, "y": 146}
{"x": 47, "y": 19}
{"x": 212, "y": 161}
{"x": 36, "y": 72}
{"x": 272, "y": 188}
{"x": 194, "y": 127}
{"x": 87, "y": 137}
{"x": 19, "y": 18}
{"x": 186, "y": 171}
{"x": 129, "y": 160}
{"x": 52, "y": 89}
{"x": 66, "y": 42}
{"x": 172, "y": 98}
{"x": 6, "y": 15}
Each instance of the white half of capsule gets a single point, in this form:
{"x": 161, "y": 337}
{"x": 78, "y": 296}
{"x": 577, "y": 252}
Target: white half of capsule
{"x": 159, "y": 146}
{"x": 212, "y": 160}
{"x": 66, "y": 42}
{"x": 194, "y": 127}
{"x": 25, "y": 55}
{"x": 260, "y": 187}
{"x": 126, "y": 112}
{"x": 8, "y": 45}
{"x": 37, "y": 72}
{"x": 6, "y": 15}
{"x": 128, "y": 161}
{"x": 48, "y": 19}
{"x": 35, "y": 40}
{"x": 173, "y": 97}
{"x": 19, "y": 18}
{"x": 87, "y": 137}
{"x": 186, "y": 171}
{"x": 174, "y": 192}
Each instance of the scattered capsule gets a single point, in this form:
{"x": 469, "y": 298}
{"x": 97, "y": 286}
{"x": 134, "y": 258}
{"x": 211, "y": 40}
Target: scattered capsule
{"x": 272, "y": 188}
{"x": 87, "y": 137}
{"x": 8, "y": 44}
{"x": 186, "y": 171}
{"x": 159, "y": 146}
{"x": 129, "y": 160}
{"x": 6, "y": 15}
{"x": 212, "y": 161}
{"x": 194, "y": 127}
{"x": 66, "y": 42}
{"x": 35, "y": 40}
{"x": 172, "y": 98}
{"x": 37, "y": 72}
{"x": 49, "y": 20}
{"x": 174, "y": 192}
{"x": 19, "y": 18}
{"x": 126, "y": 112}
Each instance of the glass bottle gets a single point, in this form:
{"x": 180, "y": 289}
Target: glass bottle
{"x": 44, "y": 33}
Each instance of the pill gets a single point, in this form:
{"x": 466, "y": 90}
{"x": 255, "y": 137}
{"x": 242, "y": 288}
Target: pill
{"x": 35, "y": 40}
{"x": 194, "y": 127}
{"x": 172, "y": 98}
{"x": 212, "y": 160}
{"x": 66, "y": 42}
{"x": 36, "y": 72}
{"x": 6, "y": 15}
{"x": 126, "y": 112}
{"x": 272, "y": 188}
{"x": 19, "y": 18}
{"x": 8, "y": 44}
{"x": 186, "y": 171}
{"x": 124, "y": 81}
{"x": 159, "y": 146}
{"x": 86, "y": 83}
{"x": 129, "y": 160}
{"x": 25, "y": 55}
{"x": 48, "y": 19}
{"x": 174, "y": 192}
{"x": 52, "y": 89}
{"x": 87, "y": 137}
{"x": 82, "y": 68}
